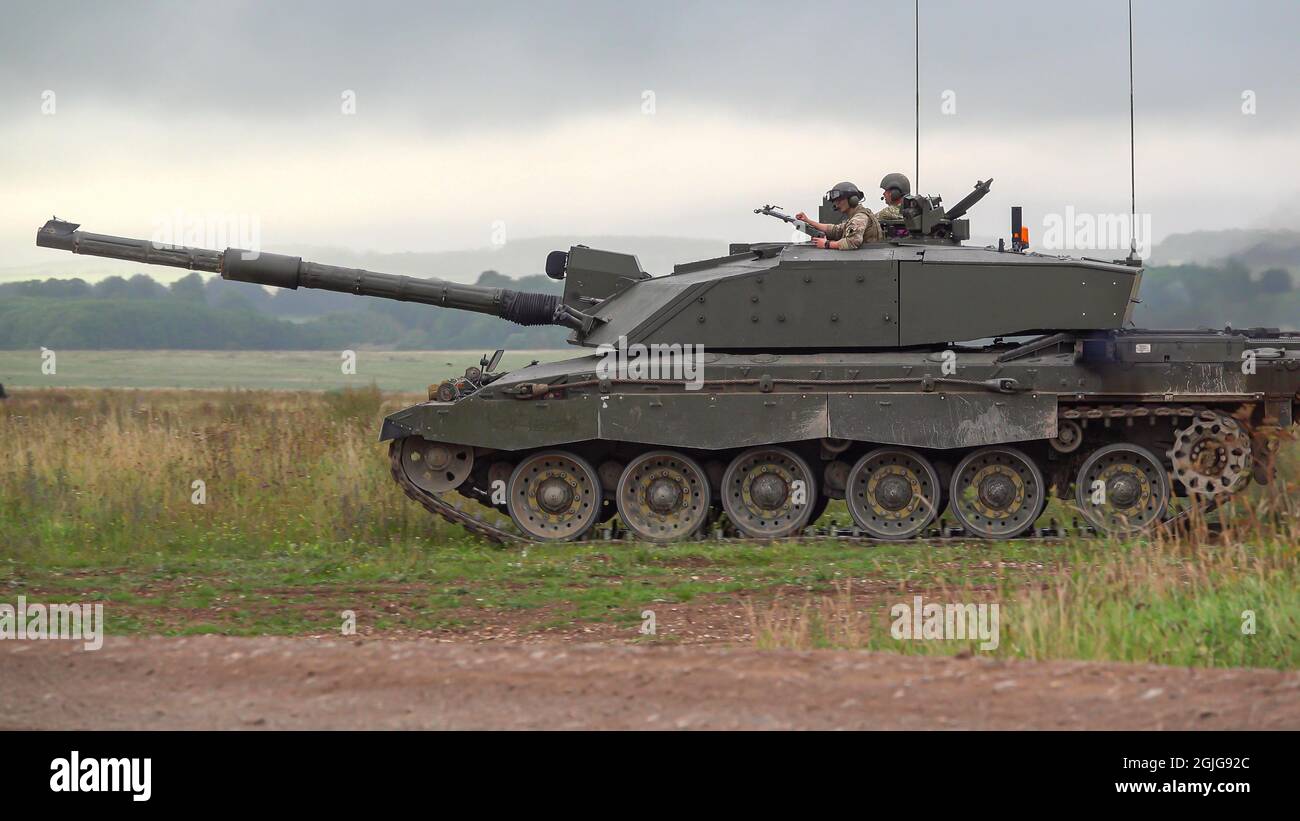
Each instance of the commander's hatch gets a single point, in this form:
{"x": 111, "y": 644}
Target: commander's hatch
{"x": 592, "y": 276}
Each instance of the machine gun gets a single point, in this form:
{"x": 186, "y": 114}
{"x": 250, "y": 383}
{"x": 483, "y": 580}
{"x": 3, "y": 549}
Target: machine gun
{"x": 925, "y": 216}
{"x": 775, "y": 211}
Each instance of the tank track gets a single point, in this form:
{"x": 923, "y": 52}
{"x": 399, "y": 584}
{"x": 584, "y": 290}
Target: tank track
{"x": 451, "y": 506}
{"x": 450, "y": 512}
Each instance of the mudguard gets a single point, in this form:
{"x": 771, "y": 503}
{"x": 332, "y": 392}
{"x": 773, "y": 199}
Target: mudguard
{"x": 716, "y": 421}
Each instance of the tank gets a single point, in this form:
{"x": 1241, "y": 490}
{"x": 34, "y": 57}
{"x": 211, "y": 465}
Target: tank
{"x": 739, "y": 395}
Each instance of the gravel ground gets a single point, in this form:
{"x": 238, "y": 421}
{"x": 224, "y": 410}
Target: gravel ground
{"x": 213, "y": 682}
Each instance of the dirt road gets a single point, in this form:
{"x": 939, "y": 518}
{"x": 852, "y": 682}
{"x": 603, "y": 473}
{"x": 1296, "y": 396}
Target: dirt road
{"x": 281, "y": 683}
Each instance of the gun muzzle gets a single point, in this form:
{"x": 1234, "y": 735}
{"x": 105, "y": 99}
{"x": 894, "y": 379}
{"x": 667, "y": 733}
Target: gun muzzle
{"x": 959, "y": 210}
{"x": 57, "y": 233}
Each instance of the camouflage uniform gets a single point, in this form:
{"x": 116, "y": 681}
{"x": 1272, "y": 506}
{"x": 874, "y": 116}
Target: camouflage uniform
{"x": 859, "y": 226}
{"x": 889, "y": 212}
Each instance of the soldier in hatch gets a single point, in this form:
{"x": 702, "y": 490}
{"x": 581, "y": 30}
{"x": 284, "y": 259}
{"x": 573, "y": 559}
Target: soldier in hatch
{"x": 893, "y": 187}
{"x": 859, "y": 226}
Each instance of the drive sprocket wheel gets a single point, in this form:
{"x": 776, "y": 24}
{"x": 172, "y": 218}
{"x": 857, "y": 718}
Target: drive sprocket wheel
{"x": 554, "y": 495}
{"x": 893, "y": 493}
{"x": 1211, "y": 455}
{"x": 663, "y": 496}
{"x": 1122, "y": 489}
{"x": 997, "y": 492}
{"x": 769, "y": 493}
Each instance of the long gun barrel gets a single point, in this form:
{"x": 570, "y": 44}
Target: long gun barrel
{"x": 282, "y": 271}
{"x": 775, "y": 211}
{"x": 981, "y": 188}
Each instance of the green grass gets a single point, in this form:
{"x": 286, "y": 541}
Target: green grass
{"x": 271, "y": 370}
{"x": 244, "y": 587}
{"x": 1090, "y": 600}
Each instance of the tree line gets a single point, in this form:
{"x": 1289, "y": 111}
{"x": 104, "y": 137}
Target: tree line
{"x": 197, "y": 314}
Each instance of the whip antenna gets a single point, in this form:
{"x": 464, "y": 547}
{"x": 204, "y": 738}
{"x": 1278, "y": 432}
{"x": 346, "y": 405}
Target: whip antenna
{"x": 916, "y": 28}
{"x": 1132, "y": 155}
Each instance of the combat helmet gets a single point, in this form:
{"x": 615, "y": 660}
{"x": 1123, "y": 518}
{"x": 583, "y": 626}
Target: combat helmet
{"x": 845, "y": 189}
{"x": 896, "y": 180}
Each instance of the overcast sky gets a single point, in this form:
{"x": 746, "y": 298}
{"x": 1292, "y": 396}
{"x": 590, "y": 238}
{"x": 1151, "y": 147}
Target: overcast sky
{"x": 533, "y": 118}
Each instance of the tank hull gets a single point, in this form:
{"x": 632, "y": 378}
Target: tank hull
{"x": 1051, "y": 402}
{"x": 900, "y": 398}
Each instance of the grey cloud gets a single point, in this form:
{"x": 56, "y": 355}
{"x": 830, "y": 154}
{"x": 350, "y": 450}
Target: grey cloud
{"x": 451, "y": 67}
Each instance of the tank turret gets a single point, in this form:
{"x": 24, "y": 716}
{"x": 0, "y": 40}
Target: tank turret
{"x": 922, "y": 288}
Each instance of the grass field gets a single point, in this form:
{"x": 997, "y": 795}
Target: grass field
{"x": 299, "y": 521}
{"x": 268, "y": 370}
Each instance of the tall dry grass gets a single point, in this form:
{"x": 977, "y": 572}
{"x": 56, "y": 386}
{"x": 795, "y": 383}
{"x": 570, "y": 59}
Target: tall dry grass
{"x": 828, "y": 621}
{"x": 86, "y": 472}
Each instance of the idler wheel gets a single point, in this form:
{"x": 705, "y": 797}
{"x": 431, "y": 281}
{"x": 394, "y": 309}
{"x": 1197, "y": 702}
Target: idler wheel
{"x": 893, "y": 493}
{"x": 769, "y": 493}
{"x": 997, "y": 492}
{"x": 554, "y": 496}
{"x": 436, "y": 467}
{"x": 1122, "y": 489}
{"x": 663, "y": 496}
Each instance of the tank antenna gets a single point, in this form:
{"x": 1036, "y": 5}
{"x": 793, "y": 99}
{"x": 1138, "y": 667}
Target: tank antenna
{"x": 916, "y": 28}
{"x": 1132, "y": 155}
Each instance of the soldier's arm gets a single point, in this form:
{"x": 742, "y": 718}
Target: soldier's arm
{"x": 810, "y": 222}
{"x": 832, "y": 230}
{"x": 852, "y": 232}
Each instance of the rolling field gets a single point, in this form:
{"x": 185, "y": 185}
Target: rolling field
{"x": 298, "y": 521}
{"x": 262, "y": 370}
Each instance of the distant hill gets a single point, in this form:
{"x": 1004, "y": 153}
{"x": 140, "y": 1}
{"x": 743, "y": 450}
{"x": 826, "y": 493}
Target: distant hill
{"x": 1201, "y": 296}
{"x": 62, "y": 265}
{"x": 1254, "y": 249}
{"x": 1213, "y": 278}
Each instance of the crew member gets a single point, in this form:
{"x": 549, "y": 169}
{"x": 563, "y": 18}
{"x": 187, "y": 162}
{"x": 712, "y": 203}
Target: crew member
{"x": 893, "y": 187}
{"x": 859, "y": 225}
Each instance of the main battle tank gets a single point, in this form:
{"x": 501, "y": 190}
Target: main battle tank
{"x": 909, "y": 377}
